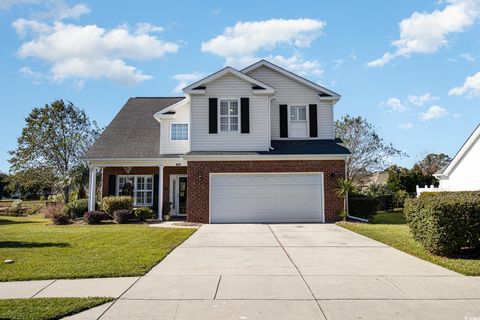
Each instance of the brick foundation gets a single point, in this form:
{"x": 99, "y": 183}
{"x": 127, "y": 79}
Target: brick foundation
{"x": 199, "y": 172}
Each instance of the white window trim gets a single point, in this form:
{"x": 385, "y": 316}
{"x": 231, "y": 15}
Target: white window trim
{"x": 219, "y": 116}
{"x": 135, "y": 177}
{"x": 307, "y": 121}
{"x": 188, "y": 131}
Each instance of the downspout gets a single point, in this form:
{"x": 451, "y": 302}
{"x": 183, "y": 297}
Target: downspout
{"x": 346, "y": 200}
{"x": 270, "y": 122}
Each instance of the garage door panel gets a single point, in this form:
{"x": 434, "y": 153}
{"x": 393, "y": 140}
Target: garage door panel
{"x": 266, "y": 198}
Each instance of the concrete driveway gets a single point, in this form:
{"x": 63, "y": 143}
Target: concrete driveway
{"x": 310, "y": 271}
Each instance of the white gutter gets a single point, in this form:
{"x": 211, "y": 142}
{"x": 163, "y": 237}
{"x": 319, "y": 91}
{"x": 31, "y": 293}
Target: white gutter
{"x": 270, "y": 122}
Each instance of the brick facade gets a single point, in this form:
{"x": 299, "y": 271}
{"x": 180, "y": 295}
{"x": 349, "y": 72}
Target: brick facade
{"x": 199, "y": 172}
{"x": 167, "y": 171}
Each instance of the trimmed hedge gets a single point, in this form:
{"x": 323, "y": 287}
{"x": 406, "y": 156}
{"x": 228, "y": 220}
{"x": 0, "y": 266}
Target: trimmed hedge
{"x": 60, "y": 218}
{"x": 143, "y": 213}
{"x": 445, "y": 222}
{"x": 76, "y": 208}
{"x": 112, "y": 203}
{"x": 362, "y": 206}
{"x": 121, "y": 216}
{"x": 93, "y": 217}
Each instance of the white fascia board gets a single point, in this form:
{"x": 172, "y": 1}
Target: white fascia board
{"x": 261, "y": 157}
{"x": 474, "y": 137}
{"x": 160, "y": 115}
{"x": 291, "y": 75}
{"x": 101, "y": 163}
{"x": 221, "y": 73}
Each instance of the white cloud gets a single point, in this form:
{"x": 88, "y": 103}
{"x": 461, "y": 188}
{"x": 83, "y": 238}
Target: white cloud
{"x": 81, "y": 52}
{"x": 434, "y": 112}
{"x": 428, "y": 32}
{"x": 239, "y": 45}
{"x": 58, "y": 10}
{"x": 406, "y": 126}
{"x": 468, "y": 56}
{"x": 395, "y": 104}
{"x": 7, "y": 4}
{"x": 184, "y": 79}
{"x": 421, "y": 99}
{"x": 337, "y": 63}
{"x": 471, "y": 87}
{"x": 36, "y": 77}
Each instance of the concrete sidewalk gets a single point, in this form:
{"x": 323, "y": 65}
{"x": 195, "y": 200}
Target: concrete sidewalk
{"x": 310, "y": 271}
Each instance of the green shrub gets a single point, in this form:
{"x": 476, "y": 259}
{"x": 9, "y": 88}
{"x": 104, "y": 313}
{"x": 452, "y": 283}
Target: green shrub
{"x": 55, "y": 197}
{"x": 362, "y": 206}
{"x": 76, "y": 208}
{"x": 143, "y": 213}
{"x": 112, "y": 203}
{"x": 445, "y": 222}
{"x": 93, "y": 217}
{"x": 400, "y": 197}
{"x": 16, "y": 206}
{"x": 121, "y": 216}
{"x": 60, "y": 218}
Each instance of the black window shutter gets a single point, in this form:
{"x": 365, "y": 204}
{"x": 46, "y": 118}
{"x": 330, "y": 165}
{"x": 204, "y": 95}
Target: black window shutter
{"x": 156, "y": 179}
{"x": 245, "y": 115}
{"x": 212, "y": 115}
{"x": 283, "y": 121}
{"x": 312, "y": 113}
{"x": 112, "y": 185}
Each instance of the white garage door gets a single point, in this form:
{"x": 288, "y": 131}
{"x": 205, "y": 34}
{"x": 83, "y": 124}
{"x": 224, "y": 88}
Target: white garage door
{"x": 236, "y": 198}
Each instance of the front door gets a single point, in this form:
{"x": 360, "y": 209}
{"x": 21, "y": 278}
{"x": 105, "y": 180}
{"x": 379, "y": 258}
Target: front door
{"x": 178, "y": 192}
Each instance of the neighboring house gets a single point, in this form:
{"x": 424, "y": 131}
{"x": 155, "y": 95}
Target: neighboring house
{"x": 379, "y": 177}
{"x": 463, "y": 172}
{"x": 255, "y": 145}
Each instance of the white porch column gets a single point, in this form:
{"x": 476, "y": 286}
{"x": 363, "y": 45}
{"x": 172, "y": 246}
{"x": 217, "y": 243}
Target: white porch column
{"x": 160, "y": 191}
{"x": 92, "y": 183}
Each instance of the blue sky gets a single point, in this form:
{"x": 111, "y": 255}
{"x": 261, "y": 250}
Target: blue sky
{"x": 412, "y": 68}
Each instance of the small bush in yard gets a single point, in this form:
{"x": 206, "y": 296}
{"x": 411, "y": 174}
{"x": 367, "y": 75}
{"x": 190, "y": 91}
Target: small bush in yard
{"x": 445, "y": 222}
{"x": 143, "y": 213}
{"x": 76, "y": 208}
{"x": 112, "y": 203}
{"x": 121, "y": 216}
{"x": 93, "y": 217}
{"x": 362, "y": 206}
{"x": 60, "y": 218}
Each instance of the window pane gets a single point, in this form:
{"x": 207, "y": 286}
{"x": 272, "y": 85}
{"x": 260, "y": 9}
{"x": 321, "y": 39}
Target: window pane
{"x": 223, "y": 123}
{"x": 234, "y": 124}
{"x": 293, "y": 113}
{"x": 224, "y": 107}
{"x": 179, "y": 131}
{"x": 140, "y": 183}
{"x": 149, "y": 183}
{"x": 234, "y": 107}
{"x": 302, "y": 113}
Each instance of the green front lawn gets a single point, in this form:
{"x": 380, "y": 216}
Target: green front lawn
{"x": 43, "y": 251}
{"x": 46, "y": 308}
{"x": 390, "y": 228}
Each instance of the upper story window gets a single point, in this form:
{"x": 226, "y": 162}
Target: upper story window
{"x": 179, "y": 131}
{"x": 298, "y": 113}
{"x": 229, "y": 115}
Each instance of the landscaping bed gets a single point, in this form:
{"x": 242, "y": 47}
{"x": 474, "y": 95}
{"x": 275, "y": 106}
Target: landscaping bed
{"x": 41, "y": 250}
{"x": 388, "y": 228}
{"x": 46, "y": 308}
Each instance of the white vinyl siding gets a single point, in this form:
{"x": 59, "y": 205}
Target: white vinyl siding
{"x": 466, "y": 175}
{"x": 266, "y": 197}
{"x": 169, "y": 146}
{"x": 229, "y": 87}
{"x": 291, "y": 92}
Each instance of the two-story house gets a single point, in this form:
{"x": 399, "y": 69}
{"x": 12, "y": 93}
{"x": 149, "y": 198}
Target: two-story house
{"x": 255, "y": 145}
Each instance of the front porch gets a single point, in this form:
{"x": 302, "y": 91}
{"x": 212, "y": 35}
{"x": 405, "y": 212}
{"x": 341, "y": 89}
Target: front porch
{"x": 155, "y": 185}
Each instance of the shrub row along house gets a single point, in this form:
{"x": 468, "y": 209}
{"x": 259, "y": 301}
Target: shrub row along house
{"x": 255, "y": 145}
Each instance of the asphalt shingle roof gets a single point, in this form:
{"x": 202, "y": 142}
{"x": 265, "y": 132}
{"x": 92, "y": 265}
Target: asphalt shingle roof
{"x": 289, "y": 147}
{"x": 133, "y": 133}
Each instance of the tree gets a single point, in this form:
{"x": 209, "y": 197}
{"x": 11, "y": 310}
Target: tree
{"x": 4, "y": 192}
{"x": 432, "y": 163}
{"x": 32, "y": 182}
{"x": 370, "y": 153}
{"x": 344, "y": 187}
{"x": 56, "y": 137}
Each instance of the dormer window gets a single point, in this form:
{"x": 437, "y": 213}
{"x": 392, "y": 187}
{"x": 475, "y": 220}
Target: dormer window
{"x": 179, "y": 131}
{"x": 229, "y": 115}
